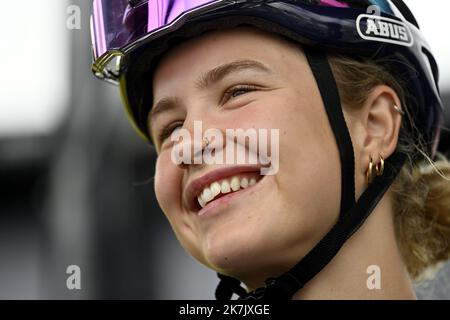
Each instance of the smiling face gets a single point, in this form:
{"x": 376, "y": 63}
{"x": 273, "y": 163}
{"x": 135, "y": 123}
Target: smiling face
{"x": 244, "y": 78}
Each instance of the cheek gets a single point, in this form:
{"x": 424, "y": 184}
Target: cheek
{"x": 167, "y": 184}
{"x": 309, "y": 176}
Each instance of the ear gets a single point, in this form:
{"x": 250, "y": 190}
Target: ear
{"x": 378, "y": 127}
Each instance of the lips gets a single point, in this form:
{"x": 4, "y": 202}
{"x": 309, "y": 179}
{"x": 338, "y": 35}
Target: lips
{"x": 212, "y": 185}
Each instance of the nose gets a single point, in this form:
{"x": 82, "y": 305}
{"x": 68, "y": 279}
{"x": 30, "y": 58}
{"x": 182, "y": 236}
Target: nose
{"x": 195, "y": 150}
{"x": 200, "y": 145}
{"x": 191, "y": 144}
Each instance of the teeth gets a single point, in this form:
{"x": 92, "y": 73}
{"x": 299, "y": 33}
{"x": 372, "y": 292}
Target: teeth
{"x": 207, "y": 195}
{"x": 235, "y": 184}
{"x": 224, "y": 186}
{"x": 215, "y": 189}
{"x": 200, "y": 201}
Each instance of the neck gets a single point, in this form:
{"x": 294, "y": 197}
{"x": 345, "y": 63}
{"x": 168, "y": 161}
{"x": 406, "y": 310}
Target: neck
{"x": 347, "y": 276}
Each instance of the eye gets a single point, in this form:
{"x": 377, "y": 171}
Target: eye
{"x": 168, "y": 130}
{"x": 237, "y": 91}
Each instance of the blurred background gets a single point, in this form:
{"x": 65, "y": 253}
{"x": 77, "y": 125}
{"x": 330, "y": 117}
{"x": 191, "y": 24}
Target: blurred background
{"x": 76, "y": 182}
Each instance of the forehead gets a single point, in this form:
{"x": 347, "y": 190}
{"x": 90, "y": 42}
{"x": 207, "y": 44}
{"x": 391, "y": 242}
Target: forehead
{"x": 205, "y": 52}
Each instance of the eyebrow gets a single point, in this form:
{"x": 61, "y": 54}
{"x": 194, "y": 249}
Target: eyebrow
{"x": 215, "y": 75}
{"x": 206, "y": 80}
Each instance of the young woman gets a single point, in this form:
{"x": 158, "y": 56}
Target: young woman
{"x": 357, "y": 204}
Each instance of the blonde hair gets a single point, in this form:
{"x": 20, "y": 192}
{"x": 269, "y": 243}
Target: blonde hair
{"x": 421, "y": 192}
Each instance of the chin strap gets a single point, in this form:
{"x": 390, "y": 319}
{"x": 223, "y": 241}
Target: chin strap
{"x": 352, "y": 215}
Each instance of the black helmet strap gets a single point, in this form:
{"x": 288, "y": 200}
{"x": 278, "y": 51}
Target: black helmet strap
{"x": 352, "y": 215}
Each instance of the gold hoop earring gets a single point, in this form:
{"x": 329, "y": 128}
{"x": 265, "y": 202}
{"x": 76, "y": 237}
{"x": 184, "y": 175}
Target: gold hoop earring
{"x": 369, "y": 173}
{"x": 379, "y": 168}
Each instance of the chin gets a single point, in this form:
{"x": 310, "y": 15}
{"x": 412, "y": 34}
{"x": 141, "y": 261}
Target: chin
{"x": 235, "y": 251}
